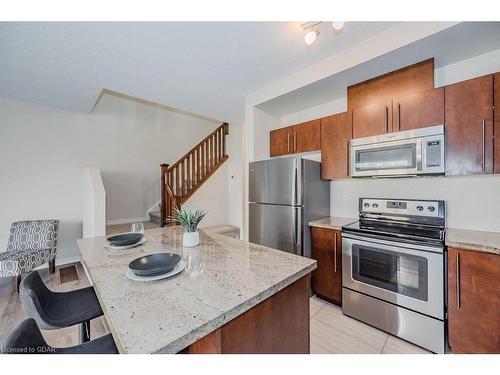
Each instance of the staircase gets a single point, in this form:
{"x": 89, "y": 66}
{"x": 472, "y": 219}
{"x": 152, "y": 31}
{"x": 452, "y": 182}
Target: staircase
{"x": 180, "y": 180}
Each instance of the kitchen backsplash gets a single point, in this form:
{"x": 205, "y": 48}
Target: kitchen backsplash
{"x": 472, "y": 202}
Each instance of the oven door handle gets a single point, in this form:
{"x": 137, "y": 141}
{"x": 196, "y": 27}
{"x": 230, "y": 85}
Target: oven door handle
{"x": 400, "y": 247}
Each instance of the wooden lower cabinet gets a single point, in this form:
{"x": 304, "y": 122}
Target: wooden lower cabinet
{"x": 473, "y": 301}
{"x": 277, "y": 325}
{"x": 326, "y": 249}
{"x": 336, "y": 132}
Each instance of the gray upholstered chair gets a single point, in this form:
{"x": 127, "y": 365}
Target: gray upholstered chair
{"x": 26, "y": 338}
{"x": 53, "y": 310}
{"x": 31, "y": 244}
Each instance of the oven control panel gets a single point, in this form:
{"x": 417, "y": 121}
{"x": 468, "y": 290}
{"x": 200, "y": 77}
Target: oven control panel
{"x": 408, "y": 207}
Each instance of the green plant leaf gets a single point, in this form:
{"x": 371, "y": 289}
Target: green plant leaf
{"x": 188, "y": 219}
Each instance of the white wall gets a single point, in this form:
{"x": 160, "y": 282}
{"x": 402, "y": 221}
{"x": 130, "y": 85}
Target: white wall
{"x": 94, "y": 204}
{"x": 43, "y": 151}
{"x": 235, "y": 168}
{"x": 264, "y": 123}
{"x": 473, "y": 202}
{"x": 322, "y": 110}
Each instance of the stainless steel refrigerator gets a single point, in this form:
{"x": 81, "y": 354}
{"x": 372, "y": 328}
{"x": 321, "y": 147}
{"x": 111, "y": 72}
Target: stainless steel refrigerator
{"x": 285, "y": 194}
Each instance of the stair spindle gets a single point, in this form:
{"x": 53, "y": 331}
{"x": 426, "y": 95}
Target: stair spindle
{"x": 188, "y": 174}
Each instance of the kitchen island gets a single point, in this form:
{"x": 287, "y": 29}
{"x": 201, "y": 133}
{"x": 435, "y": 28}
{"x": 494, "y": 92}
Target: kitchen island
{"x": 233, "y": 297}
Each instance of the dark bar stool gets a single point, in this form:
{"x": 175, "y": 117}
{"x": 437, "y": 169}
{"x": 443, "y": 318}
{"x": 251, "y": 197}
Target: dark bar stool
{"x": 26, "y": 338}
{"x": 53, "y": 310}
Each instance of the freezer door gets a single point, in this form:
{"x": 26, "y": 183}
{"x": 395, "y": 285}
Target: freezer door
{"x": 276, "y": 226}
{"x": 276, "y": 181}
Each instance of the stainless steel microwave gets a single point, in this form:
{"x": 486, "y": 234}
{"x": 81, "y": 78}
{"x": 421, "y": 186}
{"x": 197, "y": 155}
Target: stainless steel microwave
{"x": 407, "y": 153}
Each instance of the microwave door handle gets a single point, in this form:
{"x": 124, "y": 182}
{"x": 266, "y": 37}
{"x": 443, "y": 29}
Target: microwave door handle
{"x": 419, "y": 151}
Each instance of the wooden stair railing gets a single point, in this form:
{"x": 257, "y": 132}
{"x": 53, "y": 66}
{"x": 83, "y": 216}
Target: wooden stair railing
{"x": 180, "y": 180}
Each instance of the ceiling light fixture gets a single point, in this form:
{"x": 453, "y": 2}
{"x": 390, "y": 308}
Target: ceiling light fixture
{"x": 310, "y": 37}
{"x": 311, "y": 30}
{"x": 337, "y": 26}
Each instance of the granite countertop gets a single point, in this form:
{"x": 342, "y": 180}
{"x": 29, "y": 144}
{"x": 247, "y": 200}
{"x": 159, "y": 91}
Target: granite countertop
{"x": 225, "y": 278}
{"x": 488, "y": 242}
{"x": 332, "y": 222}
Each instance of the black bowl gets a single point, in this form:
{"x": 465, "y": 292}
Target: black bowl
{"x": 125, "y": 239}
{"x": 154, "y": 264}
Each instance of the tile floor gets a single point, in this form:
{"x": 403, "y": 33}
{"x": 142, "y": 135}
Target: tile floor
{"x": 335, "y": 333}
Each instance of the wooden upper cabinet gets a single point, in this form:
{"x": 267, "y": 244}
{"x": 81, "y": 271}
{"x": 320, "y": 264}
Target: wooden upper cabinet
{"x": 326, "y": 249}
{"x": 418, "y": 110}
{"x": 296, "y": 138}
{"x": 336, "y": 132}
{"x": 496, "y": 129}
{"x": 372, "y": 120}
{"x": 473, "y": 301}
{"x": 469, "y": 126}
{"x": 306, "y": 136}
{"x": 280, "y": 141}
{"x": 412, "y": 79}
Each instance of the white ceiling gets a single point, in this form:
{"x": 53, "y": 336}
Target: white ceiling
{"x": 205, "y": 68}
{"x": 460, "y": 42}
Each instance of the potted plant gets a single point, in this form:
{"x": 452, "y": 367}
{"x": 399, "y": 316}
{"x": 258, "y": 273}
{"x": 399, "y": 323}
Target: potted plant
{"x": 189, "y": 220}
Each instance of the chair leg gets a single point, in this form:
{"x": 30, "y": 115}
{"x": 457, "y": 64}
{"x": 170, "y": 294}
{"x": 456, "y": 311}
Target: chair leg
{"x": 52, "y": 266}
{"x": 16, "y": 281}
{"x": 84, "y": 332}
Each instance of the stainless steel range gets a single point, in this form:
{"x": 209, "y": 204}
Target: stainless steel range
{"x": 393, "y": 269}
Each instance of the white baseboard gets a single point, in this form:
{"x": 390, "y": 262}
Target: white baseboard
{"x": 61, "y": 262}
{"x": 127, "y": 221}
{"x": 156, "y": 207}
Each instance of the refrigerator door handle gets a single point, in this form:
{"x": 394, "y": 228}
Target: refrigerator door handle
{"x": 298, "y": 170}
{"x": 297, "y": 235}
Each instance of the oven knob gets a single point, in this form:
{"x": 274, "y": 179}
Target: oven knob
{"x": 431, "y": 208}
{"x": 375, "y": 205}
{"x": 367, "y": 205}
{"x": 420, "y": 208}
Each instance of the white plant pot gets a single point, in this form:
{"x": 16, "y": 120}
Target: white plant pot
{"x": 190, "y": 239}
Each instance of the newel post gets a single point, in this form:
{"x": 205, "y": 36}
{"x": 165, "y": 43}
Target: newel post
{"x": 163, "y": 198}
{"x": 224, "y": 141}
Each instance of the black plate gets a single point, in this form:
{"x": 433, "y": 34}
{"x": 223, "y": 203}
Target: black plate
{"x": 125, "y": 239}
{"x": 154, "y": 264}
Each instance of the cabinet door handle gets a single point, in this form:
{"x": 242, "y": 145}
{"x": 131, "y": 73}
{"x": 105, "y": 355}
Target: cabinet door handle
{"x": 458, "y": 279}
{"x": 483, "y": 145}
{"x": 288, "y": 140}
{"x": 335, "y": 252}
{"x": 386, "y": 119}
{"x": 399, "y": 116}
{"x": 294, "y": 141}
{"x": 347, "y": 160}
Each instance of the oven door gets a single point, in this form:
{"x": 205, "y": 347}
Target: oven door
{"x": 393, "y": 158}
{"x": 406, "y": 275}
